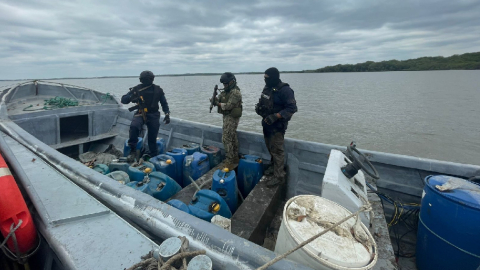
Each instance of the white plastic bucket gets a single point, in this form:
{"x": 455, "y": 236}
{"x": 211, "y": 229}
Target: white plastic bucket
{"x": 336, "y": 249}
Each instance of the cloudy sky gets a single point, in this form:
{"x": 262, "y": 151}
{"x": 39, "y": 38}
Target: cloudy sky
{"x": 53, "y": 39}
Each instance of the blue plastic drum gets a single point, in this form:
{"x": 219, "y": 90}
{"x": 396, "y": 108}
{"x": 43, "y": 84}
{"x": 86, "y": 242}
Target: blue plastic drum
{"x": 126, "y": 148}
{"x": 165, "y": 164}
{"x": 207, "y": 204}
{"x": 225, "y": 184}
{"x": 448, "y": 234}
{"x": 179, "y": 205}
{"x": 250, "y": 171}
{"x": 160, "y": 146}
{"x": 191, "y": 148}
{"x": 179, "y": 155}
{"x": 138, "y": 173}
{"x": 214, "y": 155}
{"x": 159, "y": 186}
{"x": 101, "y": 168}
{"x": 194, "y": 166}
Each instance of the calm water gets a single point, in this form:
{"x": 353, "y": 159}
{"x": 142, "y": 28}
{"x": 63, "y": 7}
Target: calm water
{"x": 431, "y": 114}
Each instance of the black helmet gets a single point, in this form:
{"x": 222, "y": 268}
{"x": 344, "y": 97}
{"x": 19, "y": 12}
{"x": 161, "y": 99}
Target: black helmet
{"x": 227, "y": 77}
{"x": 146, "y": 77}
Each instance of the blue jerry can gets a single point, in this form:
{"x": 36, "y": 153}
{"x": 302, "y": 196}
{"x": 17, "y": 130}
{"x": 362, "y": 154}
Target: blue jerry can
{"x": 207, "y": 204}
{"x": 165, "y": 164}
{"x": 163, "y": 187}
{"x": 179, "y": 205}
{"x": 225, "y": 184}
{"x": 214, "y": 155}
{"x": 119, "y": 176}
{"x": 158, "y": 185}
{"x": 118, "y": 166}
{"x": 138, "y": 173}
{"x": 179, "y": 155}
{"x": 191, "y": 148}
{"x": 160, "y": 146}
{"x": 140, "y": 186}
{"x": 126, "y": 148}
{"x": 250, "y": 170}
{"x": 101, "y": 168}
{"x": 194, "y": 166}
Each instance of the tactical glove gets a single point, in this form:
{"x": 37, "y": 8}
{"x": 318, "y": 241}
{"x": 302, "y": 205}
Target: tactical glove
{"x": 258, "y": 109}
{"x": 271, "y": 119}
{"x": 166, "y": 119}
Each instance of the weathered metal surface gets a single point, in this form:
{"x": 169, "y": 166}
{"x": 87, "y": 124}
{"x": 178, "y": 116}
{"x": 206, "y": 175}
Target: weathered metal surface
{"x": 81, "y": 230}
{"x": 252, "y": 218}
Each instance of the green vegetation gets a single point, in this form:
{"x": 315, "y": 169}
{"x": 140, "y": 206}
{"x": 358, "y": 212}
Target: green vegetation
{"x": 467, "y": 61}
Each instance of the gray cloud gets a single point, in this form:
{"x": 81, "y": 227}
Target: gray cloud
{"x": 44, "y": 39}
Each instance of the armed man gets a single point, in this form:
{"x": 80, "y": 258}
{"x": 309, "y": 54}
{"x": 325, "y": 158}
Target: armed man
{"x": 147, "y": 96}
{"x": 276, "y": 106}
{"x": 229, "y": 103}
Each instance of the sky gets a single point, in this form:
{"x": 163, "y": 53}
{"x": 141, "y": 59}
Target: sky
{"x": 58, "y": 39}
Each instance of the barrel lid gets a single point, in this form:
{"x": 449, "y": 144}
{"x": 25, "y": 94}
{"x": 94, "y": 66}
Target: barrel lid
{"x": 170, "y": 247}
{"x": 308, "y": 215}
{"x": 456, "y": 189}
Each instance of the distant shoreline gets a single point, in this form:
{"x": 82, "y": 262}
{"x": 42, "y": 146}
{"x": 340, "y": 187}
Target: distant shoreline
{"x": 466, "y": 61}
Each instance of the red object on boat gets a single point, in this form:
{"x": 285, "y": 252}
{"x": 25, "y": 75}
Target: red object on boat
{"x": 13, "y": 209}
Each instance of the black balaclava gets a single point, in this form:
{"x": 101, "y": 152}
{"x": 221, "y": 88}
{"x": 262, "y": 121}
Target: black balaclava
{"x": 273, "y": 77}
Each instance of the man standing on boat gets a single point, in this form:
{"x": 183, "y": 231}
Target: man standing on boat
{"x": 276, "y": 106}
{"x": 147, "y": 95}
{"x": 229, "y": 103}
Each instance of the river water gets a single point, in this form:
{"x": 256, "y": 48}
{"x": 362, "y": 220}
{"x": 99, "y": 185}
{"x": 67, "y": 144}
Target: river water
{"x": 430, "y": 114}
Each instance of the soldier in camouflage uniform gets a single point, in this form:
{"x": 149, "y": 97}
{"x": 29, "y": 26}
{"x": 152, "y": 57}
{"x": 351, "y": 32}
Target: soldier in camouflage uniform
{"x": 229, "y": 103}
{"x": 276, "y": 106}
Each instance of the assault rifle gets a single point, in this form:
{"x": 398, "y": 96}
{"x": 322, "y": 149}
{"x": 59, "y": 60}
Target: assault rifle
{"x": 215, "y": 89}
{"x": 140, "y": 103}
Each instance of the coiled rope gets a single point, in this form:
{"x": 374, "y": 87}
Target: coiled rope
{"x": 55, "y": 103}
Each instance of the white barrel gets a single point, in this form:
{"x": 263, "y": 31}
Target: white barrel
{"x": 305, "y": 216}
{"x": 120, "y": 176}
{"x": 200, "y": 262}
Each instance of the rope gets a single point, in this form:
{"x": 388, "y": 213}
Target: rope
{"x": 107, "y": 95}
{"x": 363, "y": 208}
{"x": 149, "y": 262}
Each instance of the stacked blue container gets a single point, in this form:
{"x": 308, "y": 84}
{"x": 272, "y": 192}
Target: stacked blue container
{"x": 192, "y": 148}
{"x": 160, "y": 186}
{"x": 194, "y": 167}
{"x": 448, "y": 236}
{"x": 207, "y": 204}
{"x": 179, "y": 205}
{"x": 165, "y": 164}
{"x": 225, "y": 184}
{"x": 138, "y": 173}
{"x": 126, "y": 148}
{"x": 214, "y": 155}
{"x": 179, "y": 155}
{"x": 250, "y": 171}
{"x": 101, "y": 168}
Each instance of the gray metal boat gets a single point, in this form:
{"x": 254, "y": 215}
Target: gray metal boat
{"x": 89, "y": 221}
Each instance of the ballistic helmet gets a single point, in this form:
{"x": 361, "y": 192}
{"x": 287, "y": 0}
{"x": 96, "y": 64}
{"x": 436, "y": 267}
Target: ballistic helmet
{"x": 227, "y": 77}
{"x": 146, "y": 77}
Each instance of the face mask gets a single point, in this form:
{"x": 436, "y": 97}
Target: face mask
{"x": 271, "y": 82}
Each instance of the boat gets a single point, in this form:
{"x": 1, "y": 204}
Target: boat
{"x": 42, "y": 143}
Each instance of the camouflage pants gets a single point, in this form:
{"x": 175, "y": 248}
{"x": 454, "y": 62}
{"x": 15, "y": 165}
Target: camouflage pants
{"x": 229, "y": 139}
{"x": 274, "y": 142}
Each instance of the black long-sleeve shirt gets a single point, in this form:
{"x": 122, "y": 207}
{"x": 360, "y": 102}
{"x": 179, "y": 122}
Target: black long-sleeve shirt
{"x": 151, "y": 95}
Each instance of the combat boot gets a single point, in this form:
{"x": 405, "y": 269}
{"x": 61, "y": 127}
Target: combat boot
{"x": 274, "y": 181}
{"x": 269, "y": 170}
{"x": 131, "y": 156}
